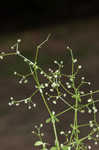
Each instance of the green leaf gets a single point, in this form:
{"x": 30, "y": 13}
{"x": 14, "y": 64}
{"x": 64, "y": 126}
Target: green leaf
{"x": 53, "y": 148}
{"x": 38, "y": 143}
{"x": 57, "y": 120}
{"x": 65, "y": 148}
{"x": 48, "y": 120}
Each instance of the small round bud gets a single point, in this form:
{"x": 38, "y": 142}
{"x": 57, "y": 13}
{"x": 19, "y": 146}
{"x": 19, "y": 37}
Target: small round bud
{"x": 1, "y": 57}
{"x": 75, "y": 60}
{"x": 25, "y": 81}
{"x": 55, "y": 62}
{"x": 68, "y": 47}
{"x": 83, "y": 78}
{"x": 79, "y": 67}
{"x": 19, "y": 40}
{"x": 29, "y": 107}
{"x": 53, "y": 112}
{"x": 11, "y": 98}
{"x": 89, "y": 83}
{"x": 96, "y": 143}
{"x": 10, "y": 104}
{"x": 46, "y": 84}
{"x": 62, "y": 132}
{"x": 15, "y": 73}
{"x": 34, "y": 105}
{"x": 17, "y": 104}
{"x": 41, "y": 125}
{"x": 89, "y": 147}
{"x": 89, "y": 100}
{"x": 26, "y": 101}
{"x": 61, "y": 62}
{"x": 54, "y": 102}
{"x": 12, "y": 47}
{"x": 17, "y": 52}
{"x": 69, "y": 131}
{"x": 89, "y": 111}
{"x": 64, "y": 95}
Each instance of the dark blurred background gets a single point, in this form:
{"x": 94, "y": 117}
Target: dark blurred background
{"x": 73, "y": 23}
{"x": 39, "y": 13}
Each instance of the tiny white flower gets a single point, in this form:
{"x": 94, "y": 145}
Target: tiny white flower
{"x": 61, "y": 145}
{"x": 54, "y": 102}
{"x": 69, "y": 86}
{"x": 75, "y": 60}
{"x": 67, "y": 83}
{"x": 33, "y": 132}
{"x": 61, "y": 62}
{"x": 55, "y": 76}
{"x": 15, "y": 73}
{"x": 41, "y": 72}
{"x": 29, "y": 107}
{"x": 69, "y": 148}
{"x": 20, "y": 82}
{"x": 90, "y": 121}
{"x": 31, "y": 63}
{"x": 17, "y": 52}
{"x": 36, "y": 126}
{"x": 42, "y": 134}
{"x": 89, "y": 147}
{"x": 57, "y": 97}
{"x": 68, "y": 47}
{"x": 11, "y": 98}
{"x": 89, "y": 83}
{"x": 10, "y": 104}
{"x": 34, "y": 105}
{"x": 82, "y": 111}
{"x": 46, "y": 84}
{"x": 89, "y": 100}
{"x": 95, "y": 129}
{"x": 83, "y": 78}
{"x": 46, "y": 93}
{"x": 89, "y": 111}
{"x": 12, "y": 47}
{"x": 62, "y": 132}
{"x": 26, "y": 101}
{"x": 19, "y": 40}
{"x": 53, "y": 112}
{"x": 3, "y": 53}
{"x": 17, "y": 104}
{"x": 91, "y": 125}
{"x": 96, "y": 143}
{"x": 25, "y": 81}
{"x": 41, "y": 125}
{"x": 48, "y": 98}
{"x": 82, "y": 92}
{"x": 95, "y": 110}
{"x": 1, "y": 57}
{"x": 41, "y": 91}
{"x": 54, "y": 84}
{"x": 79, "y": 67}
{"x": 97, "y": 135}
{"x": 51, "y": 90}
{"x": 64, "y": 95}
{"x": 69, "y": 131}
{"x": 55, "y": 62}
{"x": 71, "y": 79}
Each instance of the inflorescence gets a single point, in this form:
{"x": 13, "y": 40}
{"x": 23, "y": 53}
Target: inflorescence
{"x": 55, "y": 89}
